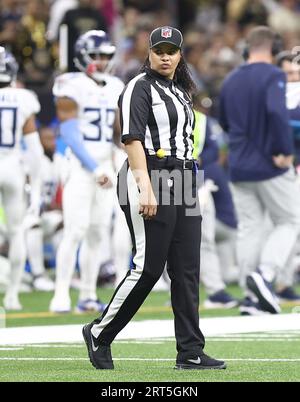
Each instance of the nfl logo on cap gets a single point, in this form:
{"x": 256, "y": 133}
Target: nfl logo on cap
{"x": 166, "y": 32}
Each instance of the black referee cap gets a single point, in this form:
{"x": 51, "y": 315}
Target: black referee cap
{"x": 166, "y": 35}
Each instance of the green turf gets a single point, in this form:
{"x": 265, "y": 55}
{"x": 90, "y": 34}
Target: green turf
{"x": 156, "y": 371}
{"x": 156, "y": 306}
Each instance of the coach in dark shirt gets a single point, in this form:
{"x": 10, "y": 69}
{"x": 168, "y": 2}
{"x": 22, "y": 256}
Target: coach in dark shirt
{"x": 254, "y": 114}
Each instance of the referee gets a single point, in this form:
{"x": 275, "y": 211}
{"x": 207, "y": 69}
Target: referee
{"x": 157, "y": 123}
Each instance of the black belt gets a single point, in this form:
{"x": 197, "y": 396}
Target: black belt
{"x": 170, "y": 162}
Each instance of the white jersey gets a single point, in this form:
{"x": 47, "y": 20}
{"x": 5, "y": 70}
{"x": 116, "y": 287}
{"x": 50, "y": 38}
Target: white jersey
{"x": 293, "y": 95}
{"x": 16, "y": 106}
{"x": 97, "y": 106}
{"x": 50, "y": 173}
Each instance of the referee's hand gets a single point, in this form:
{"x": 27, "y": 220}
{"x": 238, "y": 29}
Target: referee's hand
{"x": 148, "y": 204}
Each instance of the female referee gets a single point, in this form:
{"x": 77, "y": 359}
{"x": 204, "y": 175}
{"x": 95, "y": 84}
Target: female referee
{"x": 157, "y": 192}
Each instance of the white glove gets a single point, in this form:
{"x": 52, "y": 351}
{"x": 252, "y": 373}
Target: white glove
{"x": 103, "y": 179}
{"x": 211, "y": 186}
{"x": 204, "y": 192}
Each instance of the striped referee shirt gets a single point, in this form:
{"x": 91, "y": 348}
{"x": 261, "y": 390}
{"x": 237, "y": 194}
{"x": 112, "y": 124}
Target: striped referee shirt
{"x": 156, "y": 111}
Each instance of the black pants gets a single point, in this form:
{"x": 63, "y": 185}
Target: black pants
{"x": 173, "y": 236}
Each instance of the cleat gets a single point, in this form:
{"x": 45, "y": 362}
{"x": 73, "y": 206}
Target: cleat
{"x": 107, "y": 274}
{"x": 12, "y": 303}
{"x": 43, "y": 284}
{"x": 60, "y": 305}
{"x": 220, "y": 299}
{"x": 199, "y": 362}
{"x": 264, "y": 292}
{"x": 249, "y": 307}
{"x": 88, "y": 305}
{"x": 288, "y": 294}
{"x": 100, "y": 355}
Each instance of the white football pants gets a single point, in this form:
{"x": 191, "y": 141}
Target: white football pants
{"x": 279, "y": 197}
{"x": 87, "y": 210}
{"x": 12, "y": 181}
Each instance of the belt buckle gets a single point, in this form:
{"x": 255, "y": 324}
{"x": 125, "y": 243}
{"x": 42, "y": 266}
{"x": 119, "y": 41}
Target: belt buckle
{"x": 186, "y": 164}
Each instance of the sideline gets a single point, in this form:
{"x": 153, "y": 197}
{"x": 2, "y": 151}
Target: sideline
{"x": 214, "y": 326}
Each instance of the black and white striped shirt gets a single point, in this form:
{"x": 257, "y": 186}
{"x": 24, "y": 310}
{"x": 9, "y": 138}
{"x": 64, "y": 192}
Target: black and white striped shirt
{"x": 159, "y": 113}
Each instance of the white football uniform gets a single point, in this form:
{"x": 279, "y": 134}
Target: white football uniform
{"x": 16, "y": 106}
{"x": 97, "y": 109}
{"x": 44, "y": 228}
{"x": 51, "y": 178}
{"x": 87, "y": 208}
{"x": 293, "y": 95}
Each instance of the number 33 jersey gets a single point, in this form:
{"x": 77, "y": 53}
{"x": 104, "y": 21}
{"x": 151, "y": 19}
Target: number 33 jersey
{"x": 16, "y": 106}
{"x": 97, "y": 106}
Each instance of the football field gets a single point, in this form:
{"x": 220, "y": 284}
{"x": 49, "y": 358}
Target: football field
{"x": 40, "y": 346}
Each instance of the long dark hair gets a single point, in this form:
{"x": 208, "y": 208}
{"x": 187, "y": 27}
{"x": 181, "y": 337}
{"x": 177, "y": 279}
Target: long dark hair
{"x": 182, "y": 75}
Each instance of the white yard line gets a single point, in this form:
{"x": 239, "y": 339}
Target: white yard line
{"x": 81, "y": 345}
{"x": 152, "y": 329}
{"x": 253, "y": 340}
{"x": 278, "y": 334}
{"x": 63, "y": 359}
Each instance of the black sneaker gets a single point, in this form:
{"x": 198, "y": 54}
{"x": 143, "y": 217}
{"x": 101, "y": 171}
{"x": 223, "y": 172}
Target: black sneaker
{"x": 221, "y": 299}
{"x": 263, "y": 290}
{"x": 100, "y": 355}
{"x": 200, "y": 362}
{"x": 250, "y": 307}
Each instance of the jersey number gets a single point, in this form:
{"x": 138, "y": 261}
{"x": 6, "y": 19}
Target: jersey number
{"x": 8, "y": 124}
{"x": 99, "y": 119}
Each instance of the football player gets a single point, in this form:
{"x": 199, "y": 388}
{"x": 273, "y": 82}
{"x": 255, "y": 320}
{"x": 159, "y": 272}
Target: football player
{"x": 18, "y": 107}
{"x": 45, "y": 228}
{"x": 86, "y": 104}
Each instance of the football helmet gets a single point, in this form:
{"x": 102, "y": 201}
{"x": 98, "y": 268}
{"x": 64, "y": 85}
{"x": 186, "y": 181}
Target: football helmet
{"x": 8, "y": 67}
{"x": 93, "y": 43}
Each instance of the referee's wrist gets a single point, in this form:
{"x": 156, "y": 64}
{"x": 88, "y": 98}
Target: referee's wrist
{"x": 144, "y": 185}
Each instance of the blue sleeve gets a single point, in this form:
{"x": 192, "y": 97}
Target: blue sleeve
{"x": 295, "y": 123}
{"x": 71, "y": 135}
{"x": 210, "y": 151}
{"x": 278, "y": 118}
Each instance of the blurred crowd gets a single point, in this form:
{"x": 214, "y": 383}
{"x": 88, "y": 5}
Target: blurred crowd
{"x": 214, "y": 36}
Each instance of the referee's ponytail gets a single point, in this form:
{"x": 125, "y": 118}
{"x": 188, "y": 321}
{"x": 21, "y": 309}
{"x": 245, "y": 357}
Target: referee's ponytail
{"x": 182, "y": 75}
